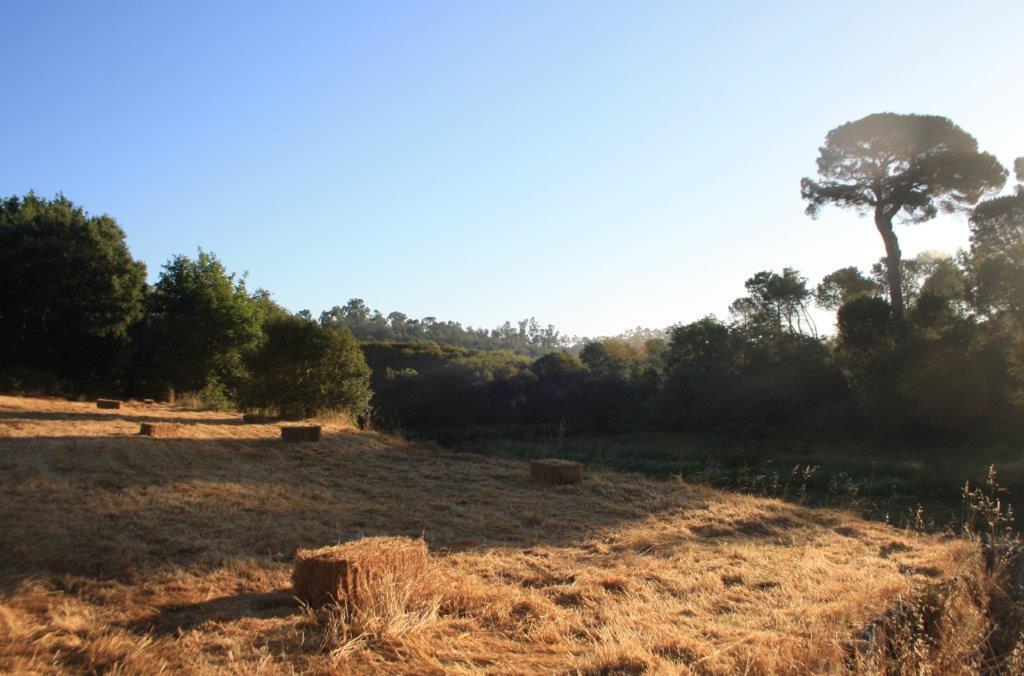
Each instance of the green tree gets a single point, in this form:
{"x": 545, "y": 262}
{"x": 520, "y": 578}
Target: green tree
{"x": 842, "y": 285}
{"x": 69, "y": 290}
{"x": 702, "y": 361}
{"x": 902, "y": 168}
{"x": 302, "y": 368}
{"x": 609, "y": 357}
{"x": 997, "y": 252}
{"x": 775, "y": 304}
{"x": 915, "y": 273}
{"x": 559, "y": 369}
{"x": 199, "y": 323}
{"x": 865, "y": 323}
{"x": 555, "y": 394}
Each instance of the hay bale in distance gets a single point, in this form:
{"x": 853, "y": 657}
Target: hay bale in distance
{"x": 555, "y": 471}
{"x": 349, "y": 572}
{"x": 300, "y": 433}
{"x": 149, "y": 402}
{"x": 151, "y": 429}
{"x": 108, "y": 403}
{"x": 257, "y": 419}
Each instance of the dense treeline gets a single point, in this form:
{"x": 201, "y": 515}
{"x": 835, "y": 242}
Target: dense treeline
{"x": 957, "y": 370}
{"x": 77, "y": 318}
{"x": 928, "y": 345}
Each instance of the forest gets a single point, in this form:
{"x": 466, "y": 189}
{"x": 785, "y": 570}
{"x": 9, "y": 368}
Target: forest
{"x": 927, "y": 347}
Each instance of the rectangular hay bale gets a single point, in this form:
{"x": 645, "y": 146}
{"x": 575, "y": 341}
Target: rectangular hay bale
{"x": 108, "y": 403}
{"x": 555, "y": 471}
{"x": 349, "y": 572}
{"x": 149, "y": 402}
{"x": 300, "y": 433}
{"x": 150, "y": 429}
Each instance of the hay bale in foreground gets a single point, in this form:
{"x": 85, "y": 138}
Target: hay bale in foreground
{"x": 555, "y": 471}
{"x": 300, "y": 433}
{"x": 257, "y": 419}
{"x": 150, "y": 429}
{"x": 349, "y": 573}
{"x": 108, "y": 403}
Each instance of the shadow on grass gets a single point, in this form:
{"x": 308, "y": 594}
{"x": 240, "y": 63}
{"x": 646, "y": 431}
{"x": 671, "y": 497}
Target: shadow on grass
{"x": 142, "y": 416}
{"x": 119, "y": 506}
{"x": 175, "y": 618}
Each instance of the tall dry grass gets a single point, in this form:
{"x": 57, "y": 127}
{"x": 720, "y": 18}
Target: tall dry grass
{"x": 141, "y": 555}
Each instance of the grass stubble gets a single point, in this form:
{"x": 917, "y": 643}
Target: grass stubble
{"x": 127, "y": 554}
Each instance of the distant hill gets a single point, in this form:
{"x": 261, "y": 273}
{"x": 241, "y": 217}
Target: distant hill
{"x": 527, "y": 336}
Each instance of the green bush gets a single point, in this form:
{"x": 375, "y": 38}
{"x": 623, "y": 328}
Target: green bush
{"x": 302, "y": 369}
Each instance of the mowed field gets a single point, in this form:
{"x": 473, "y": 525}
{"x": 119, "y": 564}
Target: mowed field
{"x": 132, "y": 554}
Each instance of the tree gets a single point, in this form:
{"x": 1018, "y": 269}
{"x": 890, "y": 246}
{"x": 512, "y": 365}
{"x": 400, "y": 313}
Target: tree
{"x": 69, "y": 290}
{"x": 609, "y": 357}
{"x": 902, "y": 168}
{"x": 199, "y": 322}
{"x": 559, "y": 369}
{"x": 865, "y": 323}
{"x": 702, "y": 361}
{"x": 927, "y": 271}
{"x": 842, "y": 285}
{"x": 302, "y": 368}
{"x": 554, "y": 396}
{"x": 997, "y": 251}
{"x": 775, "y": 303}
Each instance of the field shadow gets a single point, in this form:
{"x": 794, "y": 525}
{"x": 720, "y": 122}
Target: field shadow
{"x": 141, "y": 416}
{"x": 172, "y": 619}
{"x": 116, "y": 507}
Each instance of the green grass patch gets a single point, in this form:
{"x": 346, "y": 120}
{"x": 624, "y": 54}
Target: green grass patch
{"x": 883, "y": 479}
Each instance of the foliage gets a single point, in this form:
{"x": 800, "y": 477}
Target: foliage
{"x": 996, "y": 264}
{"x": 842, "y": 285}
{"x": 933, "y": 271}
{"x": 556, "y": 393}
{"x": 954, "y": 365}
{"x": 525, "y": 337}
{"x": 199, "y": 322}
{"x": 717, "y": 375}
{"x": 609, "y": 357}
{"x": 775, "y": 304}
{"x": 909, "y": 166}
{"x": 69, "y": 291}
{"x": 864, "y": 324}
{"x": 302, "y": 369}
{"x": 426, "y": 385}
{"x": 959, "y": 382}
{"x": 905, "y": 168}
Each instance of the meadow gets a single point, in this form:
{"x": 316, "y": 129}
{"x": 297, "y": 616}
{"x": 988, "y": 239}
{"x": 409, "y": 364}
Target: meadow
{"x": 127, "y": 554}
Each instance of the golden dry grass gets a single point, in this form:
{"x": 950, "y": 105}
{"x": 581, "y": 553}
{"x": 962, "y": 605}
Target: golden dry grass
{"x": 135, "y": 555}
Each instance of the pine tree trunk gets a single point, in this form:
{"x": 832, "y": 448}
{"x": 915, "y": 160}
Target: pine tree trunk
{"x": 893, "y": 271}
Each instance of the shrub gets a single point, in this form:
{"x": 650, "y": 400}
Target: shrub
{"x": 302, "y": 369}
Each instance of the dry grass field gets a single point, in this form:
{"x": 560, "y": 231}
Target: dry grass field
{"x": 132, "y": 554}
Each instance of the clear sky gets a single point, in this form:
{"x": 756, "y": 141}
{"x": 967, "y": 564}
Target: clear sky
{"x": 596, "y": 165}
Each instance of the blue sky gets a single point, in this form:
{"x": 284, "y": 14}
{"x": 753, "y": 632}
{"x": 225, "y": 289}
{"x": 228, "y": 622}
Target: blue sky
{"x": 596, "y": 165}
